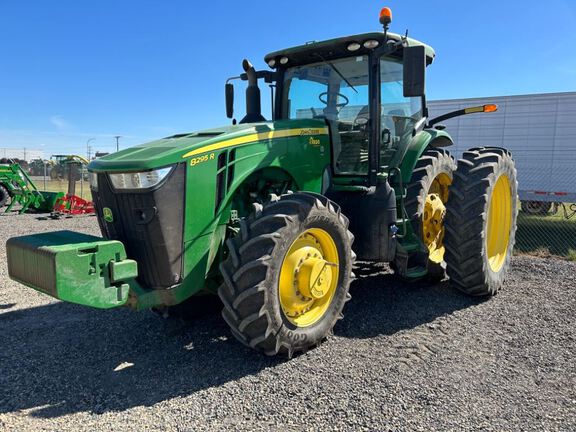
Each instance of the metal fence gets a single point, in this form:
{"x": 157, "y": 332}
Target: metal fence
{"x": 49, "y": 178}
{"x": 20, "y": 153}
{"x": 547, "y": 216}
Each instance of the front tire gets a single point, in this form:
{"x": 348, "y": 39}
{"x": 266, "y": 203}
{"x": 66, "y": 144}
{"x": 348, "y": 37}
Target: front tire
{"x": 481, "y": 221}
{"x": 287, "y": 275}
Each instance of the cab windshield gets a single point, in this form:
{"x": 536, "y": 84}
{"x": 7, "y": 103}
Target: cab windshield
{"x": 337, "y": 91}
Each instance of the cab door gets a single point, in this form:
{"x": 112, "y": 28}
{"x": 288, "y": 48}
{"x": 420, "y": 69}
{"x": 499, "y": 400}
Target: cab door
{"x": 338, "y": 92}
{"x": 399, "y": 114}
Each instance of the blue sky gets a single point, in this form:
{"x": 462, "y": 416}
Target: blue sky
{"x": 72, "y": 70}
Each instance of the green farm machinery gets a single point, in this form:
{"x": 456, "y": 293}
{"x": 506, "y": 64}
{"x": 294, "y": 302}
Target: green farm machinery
{"x": 16, "y": 187}
{"x": 264, "y": 213}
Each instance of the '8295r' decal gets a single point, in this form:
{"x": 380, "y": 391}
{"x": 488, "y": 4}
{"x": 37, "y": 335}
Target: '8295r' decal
{"x": 201, "y": 159}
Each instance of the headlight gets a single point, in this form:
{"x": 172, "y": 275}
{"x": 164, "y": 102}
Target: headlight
{"x": 93, "y": 179}
{"x": 139, "y": 180}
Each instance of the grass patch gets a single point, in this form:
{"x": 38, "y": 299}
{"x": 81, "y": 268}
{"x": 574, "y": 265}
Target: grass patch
{"x": 546, "y": 235}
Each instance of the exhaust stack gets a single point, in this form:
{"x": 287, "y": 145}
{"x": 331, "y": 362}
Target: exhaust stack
{"x": 253, "y": 108}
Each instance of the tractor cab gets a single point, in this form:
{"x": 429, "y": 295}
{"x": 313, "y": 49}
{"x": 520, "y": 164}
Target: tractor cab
{"x": 369, "y": 89}
{"x": 357, "y": 85}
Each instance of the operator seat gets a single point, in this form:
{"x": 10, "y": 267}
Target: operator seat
{"x": 363, "y": 114}
{"x": 353, "y": 156}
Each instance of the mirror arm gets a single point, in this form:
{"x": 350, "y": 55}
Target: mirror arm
{"x": 445, "y": 117}
{"x": 465, "y": 111}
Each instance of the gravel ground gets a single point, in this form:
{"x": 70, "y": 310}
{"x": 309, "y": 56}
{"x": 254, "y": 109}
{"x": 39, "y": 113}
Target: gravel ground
{"x": 406, "y": 357}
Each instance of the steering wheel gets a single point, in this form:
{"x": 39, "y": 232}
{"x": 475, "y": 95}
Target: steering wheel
{"x": 325, "y": 101}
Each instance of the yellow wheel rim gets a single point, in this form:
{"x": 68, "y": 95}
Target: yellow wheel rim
{"x": 499, "y": 223}
{"x": 309, "y": 277}
{"x": 433, "y": 217}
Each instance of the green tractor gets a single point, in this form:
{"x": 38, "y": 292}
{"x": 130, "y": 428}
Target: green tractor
{"x": 264, "y": 213}
{"x": 16, "y": 187}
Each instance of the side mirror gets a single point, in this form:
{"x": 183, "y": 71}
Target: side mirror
{"x": 229, "y": 100}
{"x": 414, "y": 71}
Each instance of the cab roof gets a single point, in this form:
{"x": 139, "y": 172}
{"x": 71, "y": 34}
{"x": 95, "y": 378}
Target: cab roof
{"x": 309, "y": 52}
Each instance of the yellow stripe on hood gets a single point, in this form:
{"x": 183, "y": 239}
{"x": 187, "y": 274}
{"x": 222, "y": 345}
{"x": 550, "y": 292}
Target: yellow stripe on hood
{"x": 263, "y": 136}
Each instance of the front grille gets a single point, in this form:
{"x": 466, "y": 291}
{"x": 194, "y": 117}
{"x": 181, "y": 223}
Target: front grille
{"x": 150, "y": 224}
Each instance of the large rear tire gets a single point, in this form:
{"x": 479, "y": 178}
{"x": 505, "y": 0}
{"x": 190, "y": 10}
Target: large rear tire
{"x": 426, "y": 198}
{"x": 481, "y": 221}
{"x": 287, "y": 275}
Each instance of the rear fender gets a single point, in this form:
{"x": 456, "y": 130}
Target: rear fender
{"x": 418, "y": 144}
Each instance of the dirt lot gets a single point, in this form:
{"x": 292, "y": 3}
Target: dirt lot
{"x": 406, "y": 357}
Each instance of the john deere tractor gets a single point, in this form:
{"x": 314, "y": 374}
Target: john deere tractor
{"x": 265, "y": 212}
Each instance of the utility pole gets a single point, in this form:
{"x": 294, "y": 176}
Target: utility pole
{"x": 117, "y": 145}
{"x": 88, "y": 148}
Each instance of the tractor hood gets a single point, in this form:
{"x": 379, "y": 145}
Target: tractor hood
{"x": 162, "y": 152}
{"x": 176, "y": 148}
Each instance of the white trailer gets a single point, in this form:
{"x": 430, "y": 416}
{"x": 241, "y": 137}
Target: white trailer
{"x": 539, "y": 130}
